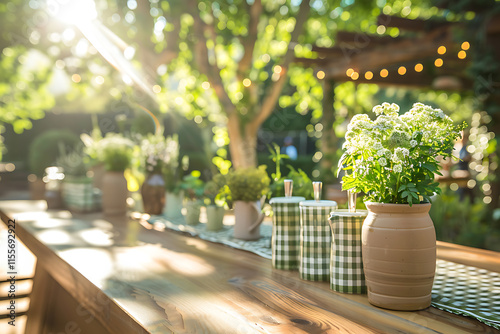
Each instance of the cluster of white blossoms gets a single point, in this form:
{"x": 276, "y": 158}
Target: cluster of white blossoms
{"x": 159, "y": 151}
{"x": 391, "y": 140}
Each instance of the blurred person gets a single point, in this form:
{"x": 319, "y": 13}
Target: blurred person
{"x": 289, "y": 149}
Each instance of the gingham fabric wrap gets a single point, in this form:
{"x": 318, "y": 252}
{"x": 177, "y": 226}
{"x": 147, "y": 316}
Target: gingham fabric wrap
{"x": 315, "y": 243}
{"x": 346, "y": 263}
{"x": 286, "y": 235}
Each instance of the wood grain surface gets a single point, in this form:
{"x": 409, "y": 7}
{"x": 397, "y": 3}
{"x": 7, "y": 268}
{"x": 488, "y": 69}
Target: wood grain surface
{"x": 134, "y": 280}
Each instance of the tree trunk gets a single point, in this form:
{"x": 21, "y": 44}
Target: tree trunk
{"x": 329, "y": 141}
{"x": 243, "y": 143}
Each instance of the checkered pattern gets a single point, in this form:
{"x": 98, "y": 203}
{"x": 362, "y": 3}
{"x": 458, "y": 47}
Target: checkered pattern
{"x": 286, "y": 235}
{"x": 346, "y": 264}
{"x": 315, "y": 243}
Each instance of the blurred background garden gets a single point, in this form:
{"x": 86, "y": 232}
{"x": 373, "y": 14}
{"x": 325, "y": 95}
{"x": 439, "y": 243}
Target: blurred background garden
{"x": 211, "y": 86}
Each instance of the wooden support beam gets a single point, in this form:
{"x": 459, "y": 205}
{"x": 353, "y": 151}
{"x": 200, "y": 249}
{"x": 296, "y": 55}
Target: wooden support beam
{"x": 393, "y": 54}
{"x": 360, "y": 40}
{"x": 417, "y": 25}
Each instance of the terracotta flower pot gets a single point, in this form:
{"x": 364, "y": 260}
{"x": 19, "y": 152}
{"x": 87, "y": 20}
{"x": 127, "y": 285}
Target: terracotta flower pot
{"x": 114, "y": 194}
{"x": 399, "y": 255}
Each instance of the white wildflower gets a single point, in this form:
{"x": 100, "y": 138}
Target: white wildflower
{"x": 382, "y": 161}
{"x": 413, "y": 143}
{"x": 398, "y": 168}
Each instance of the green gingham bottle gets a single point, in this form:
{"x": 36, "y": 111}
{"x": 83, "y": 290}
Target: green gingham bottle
{"x": 315, "y": 237}
{"x": 286, "y": 229}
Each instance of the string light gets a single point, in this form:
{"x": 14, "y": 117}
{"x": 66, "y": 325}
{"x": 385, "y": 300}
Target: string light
{"x": 419, "y": 67}
{"x": 402, "y": 70}
{"x": 349, "y": 72}
{"x": 384, "y": 73}
{"x": 355, "y": 76}
{"x": 465, "y": 45}
{"x": 320, "y": 75}
{"x": 462, "y": 54}
{"x": 247, "y": 82}
{"x": 438, "y": 62}
{"x": 369, "y": 75}
{"x": 442, "y": 50}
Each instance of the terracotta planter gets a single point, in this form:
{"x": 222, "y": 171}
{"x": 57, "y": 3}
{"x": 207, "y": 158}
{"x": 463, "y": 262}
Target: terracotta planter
{"x": 114, "y": 194}
{"x": 153, "y": 194}
{"x": 193, "y": 209}
{"x": 247, "y": 220}
{"x": 215, "y": 217}
{"x": 399, "y": 255}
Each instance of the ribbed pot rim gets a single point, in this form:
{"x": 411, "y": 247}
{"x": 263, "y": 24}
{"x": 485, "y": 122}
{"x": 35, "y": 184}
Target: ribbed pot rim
{"x": 397, "y": 208}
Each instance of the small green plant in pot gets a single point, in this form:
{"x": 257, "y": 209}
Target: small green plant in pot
{"x": 115, "y": 152}
{"x": 193, "y": 188}
{"x": 248, "y": 188}
{"x": 215, "y": 197}
{"x": 77, "y": 189}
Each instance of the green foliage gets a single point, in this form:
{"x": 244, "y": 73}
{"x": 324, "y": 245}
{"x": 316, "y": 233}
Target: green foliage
{"x": 462, "y": 222}
{"x": 216, "y": 191}
{"x": 72, "y": 161}
{"x": 44, "y": 150}
{"x": 394, "y": 159}
{"x": 302, "y": 184}
{"x": 24, "y": 93}
{"x": 193, "y": 186}
{"x": 248, "y": 184}
{"x": 115, "y": 151}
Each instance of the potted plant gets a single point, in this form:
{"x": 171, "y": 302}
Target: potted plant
{"x": 77, "y": 189}
{"x": 215, "y": 197}
{"x": 43, "y": 153}
{"x": 115, "y": 151}
{"x": 248, "y": 188}
{"x": 193, "y": 189}
{"x": 157, "y": 155}
{"x": 172, "y": 175}
{"x": 394, "y": 160}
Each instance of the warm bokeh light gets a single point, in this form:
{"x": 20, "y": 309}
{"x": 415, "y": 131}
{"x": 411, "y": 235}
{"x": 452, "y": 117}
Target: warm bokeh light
{"x": 355, "y": 76}
{"x": 419, "y": 67}
{"x": 384, "y": 73}
{"x": 277, "y": 69}
{"x": 465, "y": 45}
{"x": 349, "y": 72}
{"x": 402, "y": 70}
{"x": 438, "y": 62}
{"x": 442, "y": 50}
{"x": 247, "y": 82}
{"x": 369, "y": 75}
{"x": 76, "y": 78}
{"x": 462, "y": 54}
{"x": 205, "y": 85}
{"x": 320, "y": 75}
{"x": 156, "y": 89}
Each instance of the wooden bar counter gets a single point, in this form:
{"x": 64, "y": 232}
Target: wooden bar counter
{"x": 102, "y": 275}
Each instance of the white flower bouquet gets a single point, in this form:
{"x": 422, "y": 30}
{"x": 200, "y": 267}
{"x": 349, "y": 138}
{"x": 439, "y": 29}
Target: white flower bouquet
{"x": 394, "y": 159}
{"x": 160, "y": 153}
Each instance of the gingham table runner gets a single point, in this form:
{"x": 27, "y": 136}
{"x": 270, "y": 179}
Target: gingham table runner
{"x": 457, "y": 289}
